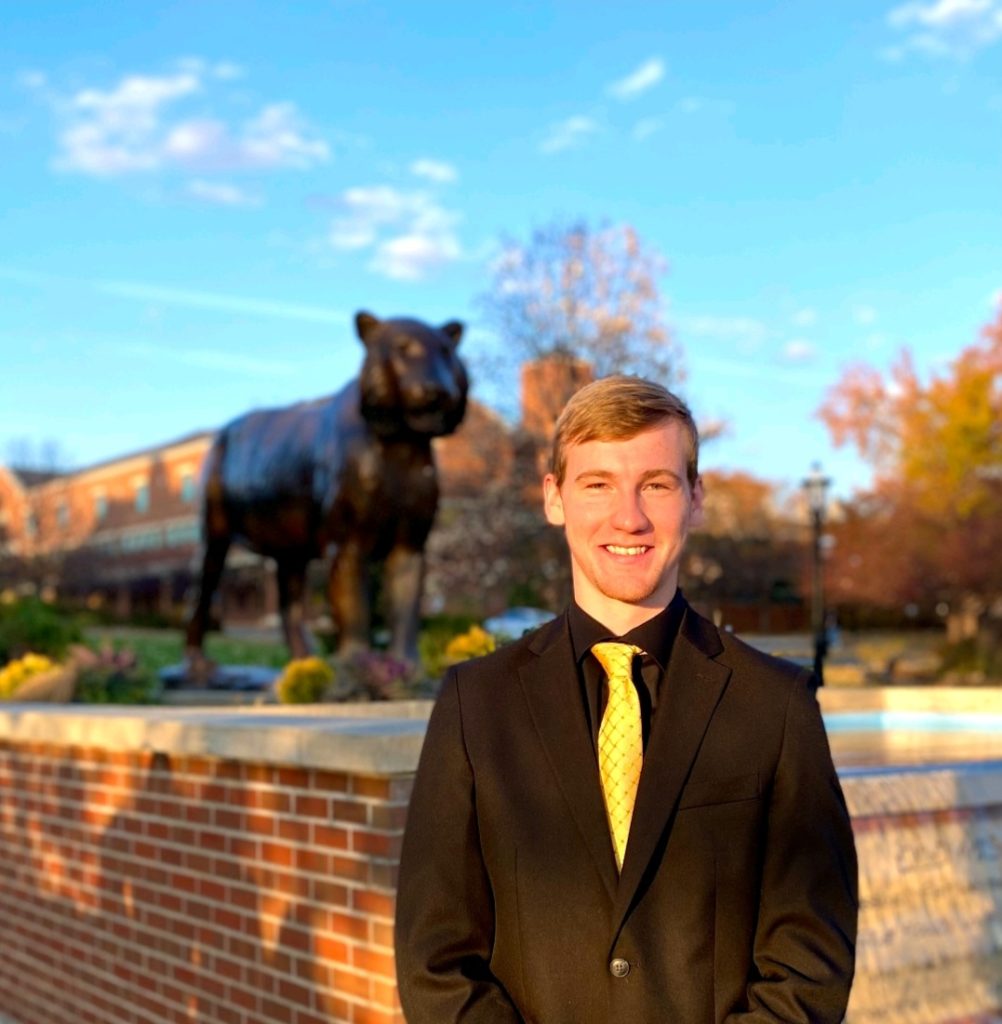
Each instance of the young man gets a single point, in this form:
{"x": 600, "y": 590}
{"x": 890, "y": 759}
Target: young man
{"x": 626, "y": 816}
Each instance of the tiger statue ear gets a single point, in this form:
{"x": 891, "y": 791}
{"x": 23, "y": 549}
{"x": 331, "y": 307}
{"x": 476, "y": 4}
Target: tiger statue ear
{"x": 365, "y": 325}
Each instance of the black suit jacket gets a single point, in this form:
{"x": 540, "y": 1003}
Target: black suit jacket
{"x": 737, "y": 900}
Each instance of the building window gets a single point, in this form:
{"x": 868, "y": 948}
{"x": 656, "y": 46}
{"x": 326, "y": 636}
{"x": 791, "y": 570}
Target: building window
{"x": 143, "y": 497}
{"x": 100, "y": 506}
{"x": 62, "y": 515}
{"x": 188, "y": 488}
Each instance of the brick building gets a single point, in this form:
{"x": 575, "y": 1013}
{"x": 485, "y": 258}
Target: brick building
{"x": 125, "y": 534}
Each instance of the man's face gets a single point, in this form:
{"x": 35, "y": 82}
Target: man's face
{"x": 626, "y": 507}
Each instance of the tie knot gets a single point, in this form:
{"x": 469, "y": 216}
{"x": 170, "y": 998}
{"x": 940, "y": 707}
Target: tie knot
{"x": 616, "y": 658}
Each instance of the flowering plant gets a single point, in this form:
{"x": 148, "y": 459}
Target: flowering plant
{"x": 471, "y": 644}
{"x": 14, "y": 673}
{"x": 304, "y": 681}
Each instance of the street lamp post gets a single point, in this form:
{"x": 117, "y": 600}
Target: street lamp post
{"x": 816, "y": 488}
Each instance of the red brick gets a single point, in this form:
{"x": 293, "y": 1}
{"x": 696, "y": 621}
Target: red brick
{"x": 368, "y": 1015}
{"x": 378, "y": 903}
{"x": 279, "y": 854}
{"x": 376, "y": 788}
{"x": 312, "y": 861}
{"x": 331, "y": 782}
{"x": 350, "y": 868}
{"x": 312, "y": 806}
{"x": 223, "y": 817}
{"x": 373, "y": 962}
{"x": 351, "y": 984}
{"x": 294, "y": 830}
{"x": 349, "y": 925}
{"x": 327, "y": 835}
{"x": 295, "y": 992}
{"x": 297, "y": 778}
{"x": 378, "y": 844}
{"x": 327, "y": 893}
{"x": 350, "y": 811}
{"x": 272, "y": 800}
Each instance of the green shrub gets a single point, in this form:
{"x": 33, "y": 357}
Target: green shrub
{"x": 32, "y": 625}
{"x": 114, "y": 677}
{"x": 435, "y": 637}
{"x": 973, "y": 657}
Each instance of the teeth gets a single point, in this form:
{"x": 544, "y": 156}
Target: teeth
{"x": 616, "y": 549}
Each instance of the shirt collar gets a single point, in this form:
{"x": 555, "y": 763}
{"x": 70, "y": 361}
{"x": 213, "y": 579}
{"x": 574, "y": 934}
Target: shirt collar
{"x": 656, "y": 636}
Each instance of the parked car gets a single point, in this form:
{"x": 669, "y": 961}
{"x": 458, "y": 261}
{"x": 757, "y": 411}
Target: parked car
{"x": 513, "y": 622}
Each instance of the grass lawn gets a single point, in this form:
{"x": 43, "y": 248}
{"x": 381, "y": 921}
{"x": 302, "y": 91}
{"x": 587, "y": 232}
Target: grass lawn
{"x": 157, "y": 648}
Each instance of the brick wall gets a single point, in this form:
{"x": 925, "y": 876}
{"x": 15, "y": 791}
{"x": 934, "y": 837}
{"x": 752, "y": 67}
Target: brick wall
{"x": 155, "y": 888}
{"x": 930, "y": 876}
{"x": 210, "y": 865}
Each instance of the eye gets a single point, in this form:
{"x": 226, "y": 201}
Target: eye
{"x": 409, "y": 348}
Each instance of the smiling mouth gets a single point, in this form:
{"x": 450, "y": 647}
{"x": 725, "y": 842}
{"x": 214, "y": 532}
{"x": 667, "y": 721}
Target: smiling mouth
{"x": 619, "y": 549}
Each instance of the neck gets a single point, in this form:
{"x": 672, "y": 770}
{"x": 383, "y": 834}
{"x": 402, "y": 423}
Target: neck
{"x": 619, "y": 617}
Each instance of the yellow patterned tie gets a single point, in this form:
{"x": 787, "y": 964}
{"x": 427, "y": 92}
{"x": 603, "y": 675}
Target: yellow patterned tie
{"x": 620, "y": 741}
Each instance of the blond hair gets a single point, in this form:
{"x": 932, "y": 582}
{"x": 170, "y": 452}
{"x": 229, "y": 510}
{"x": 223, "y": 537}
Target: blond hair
{"x": 616, "y": 409}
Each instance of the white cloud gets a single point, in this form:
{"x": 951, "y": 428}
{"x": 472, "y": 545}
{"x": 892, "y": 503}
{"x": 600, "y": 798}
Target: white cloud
{"x": 279, "y": 137}
{"x": 745, "y": 332}
{"x": 798, "y": 350}
{"x": 411, "y": 234}
{"x": 32, "y": 79}
{"x": 805, "y": 317}
{"x": 221, "y": 193}
{"x": 227, "y": 72}
{"x": 690, "y": 104}
{"x": 864, "y": 315}
{"x": 222, "y": 303}
{"x": 647, "y": 127}
{"x": 210, "y": 359}
{"x": 638, "y": 81}
{"x": 413, "y": 257}
{"x": 139, "y": 126}
{"x": 195, "y": 142}
{"x": 945, "y": 28}
{"x": 434, "y": 170}
{"x": 569, "y": 133}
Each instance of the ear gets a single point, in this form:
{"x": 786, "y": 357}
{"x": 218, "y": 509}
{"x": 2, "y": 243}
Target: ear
{"x": 696, "y": 507}
{"x": 365, "y": 324}
{"x": 454, "y": 330}
{"x": 553, "y": 504}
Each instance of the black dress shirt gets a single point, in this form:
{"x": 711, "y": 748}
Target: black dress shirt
{"x": 655, "y": 637}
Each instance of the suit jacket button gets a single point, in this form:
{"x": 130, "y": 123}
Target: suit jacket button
{"x": 618, "y": 967}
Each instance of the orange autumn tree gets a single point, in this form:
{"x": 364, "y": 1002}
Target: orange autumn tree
{"x": 930, "y": 530}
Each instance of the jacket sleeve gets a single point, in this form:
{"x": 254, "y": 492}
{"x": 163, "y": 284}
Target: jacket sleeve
{"x": 804, "y": 951}
{"x": 445, "y": 910}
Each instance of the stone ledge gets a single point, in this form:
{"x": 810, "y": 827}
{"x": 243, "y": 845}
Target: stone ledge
{"x": 376, "y": 738}
{"x": 939, "y": 699}
{"x": 916, "y": 789}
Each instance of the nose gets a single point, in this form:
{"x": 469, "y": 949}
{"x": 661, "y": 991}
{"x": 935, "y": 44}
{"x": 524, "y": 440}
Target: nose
{"x": 629, "y": 515}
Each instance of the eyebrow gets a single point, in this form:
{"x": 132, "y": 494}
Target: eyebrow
{"x": 606, "y": 474}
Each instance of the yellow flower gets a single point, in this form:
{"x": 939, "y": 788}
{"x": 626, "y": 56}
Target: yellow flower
{"x": 471, "y": 644}
{"x": 304, "y": 681}
{"x": 14, "y": 673}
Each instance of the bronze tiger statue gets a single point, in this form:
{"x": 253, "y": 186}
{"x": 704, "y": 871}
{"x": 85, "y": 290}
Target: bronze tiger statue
{"x": 350, "y": 474}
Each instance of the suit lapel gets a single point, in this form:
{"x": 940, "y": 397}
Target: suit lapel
{"x": 553, "y": 694}
{"x": 692, "y": 687}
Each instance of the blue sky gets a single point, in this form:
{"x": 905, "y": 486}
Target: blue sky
{"x": 199, "y": 196}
